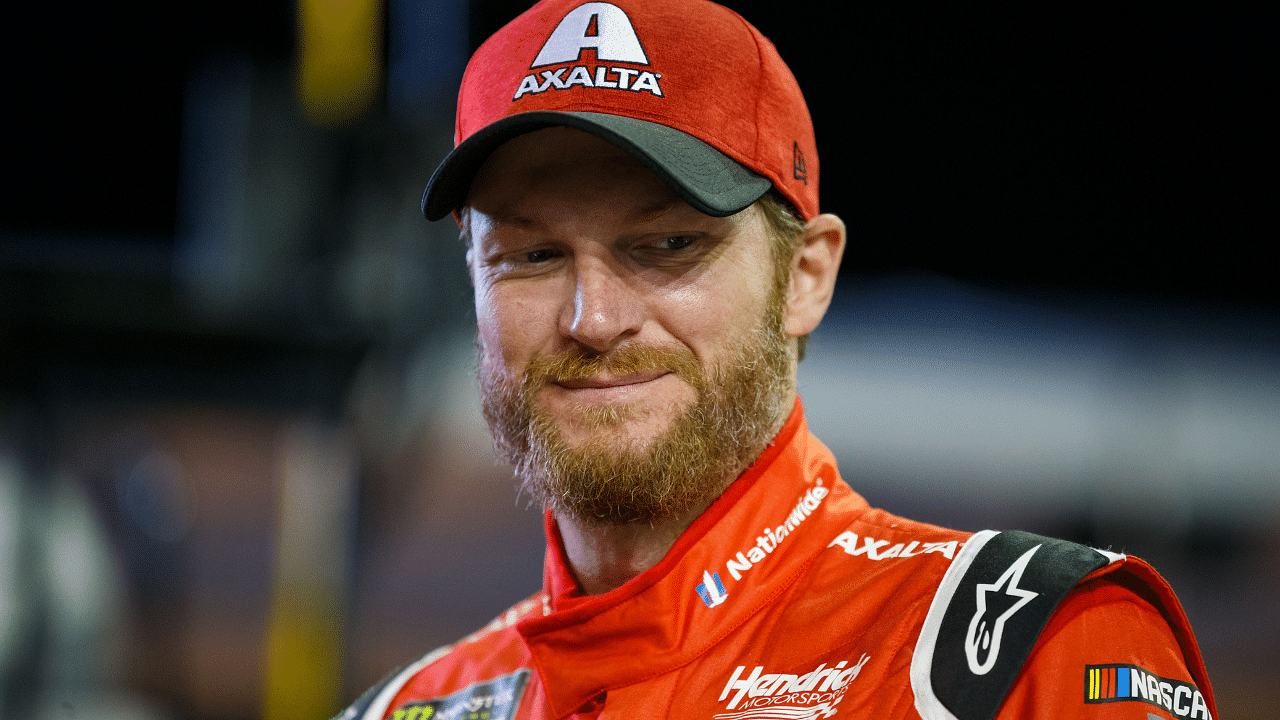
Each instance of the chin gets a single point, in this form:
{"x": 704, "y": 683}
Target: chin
{"x": 630, "y": 433}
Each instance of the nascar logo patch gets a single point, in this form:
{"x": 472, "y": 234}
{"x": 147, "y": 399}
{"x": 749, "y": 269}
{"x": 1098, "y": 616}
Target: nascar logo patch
{"x": 1130, "y": 683}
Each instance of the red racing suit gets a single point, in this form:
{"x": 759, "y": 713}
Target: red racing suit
{"x": 791, "y": 598}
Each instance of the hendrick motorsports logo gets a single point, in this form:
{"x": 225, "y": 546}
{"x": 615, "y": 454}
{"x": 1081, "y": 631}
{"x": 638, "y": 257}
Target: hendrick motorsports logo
{"x": 810, "y": 696}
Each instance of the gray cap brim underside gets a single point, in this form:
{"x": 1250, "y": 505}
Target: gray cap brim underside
{"x": 710, "y": 181}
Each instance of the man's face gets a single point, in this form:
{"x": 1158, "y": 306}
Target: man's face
{"x": 631, "y": 353}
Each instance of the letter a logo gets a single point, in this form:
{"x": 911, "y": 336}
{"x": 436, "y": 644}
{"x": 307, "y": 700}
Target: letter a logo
{"x": 596, "y": 25}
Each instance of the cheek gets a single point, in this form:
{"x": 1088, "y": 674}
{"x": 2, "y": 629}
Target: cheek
{"x": 509, "y": 329}
{"x": 711, "y": 318}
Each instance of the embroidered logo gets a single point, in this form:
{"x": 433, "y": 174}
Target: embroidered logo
{"x": 712, "y": 589}
{"x": 876, "y": 549}
{"x": 1130, "y": 683}
{"x": 985, "y": 632}
{"x": 798, "y": 167}
{"x": 596, "y": 25}
{"x": 495, "y": 699}
{"x": 758, "y": 695}
{"x": 607, "y": 30}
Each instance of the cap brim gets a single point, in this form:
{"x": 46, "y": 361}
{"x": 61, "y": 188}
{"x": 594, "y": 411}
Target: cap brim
{"x": 710, "y": 181}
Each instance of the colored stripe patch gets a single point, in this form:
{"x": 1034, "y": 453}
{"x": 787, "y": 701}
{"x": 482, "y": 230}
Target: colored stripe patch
{"x": 1130, "y": 683}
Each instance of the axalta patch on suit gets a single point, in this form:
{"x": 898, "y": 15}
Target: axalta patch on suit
{"x": 830, "y": 622}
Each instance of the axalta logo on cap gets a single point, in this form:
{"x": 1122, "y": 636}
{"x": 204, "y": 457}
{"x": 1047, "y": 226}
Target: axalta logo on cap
{"x": 605, "y": 28}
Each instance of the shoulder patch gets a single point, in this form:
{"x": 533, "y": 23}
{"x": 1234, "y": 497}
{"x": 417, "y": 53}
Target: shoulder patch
{"x": 495, "y": 699}
{"x": 1130, "y": 683}
{"x": 987, "y": 614}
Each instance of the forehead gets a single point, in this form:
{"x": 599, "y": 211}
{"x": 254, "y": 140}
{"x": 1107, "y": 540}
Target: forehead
{"x": 569, "y": 167}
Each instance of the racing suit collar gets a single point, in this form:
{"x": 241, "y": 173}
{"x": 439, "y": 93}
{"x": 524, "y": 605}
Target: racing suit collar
{"x": 677, "y": 610}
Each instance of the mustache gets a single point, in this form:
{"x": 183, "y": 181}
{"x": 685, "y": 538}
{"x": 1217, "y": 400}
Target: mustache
{"x": 573, "y": 365}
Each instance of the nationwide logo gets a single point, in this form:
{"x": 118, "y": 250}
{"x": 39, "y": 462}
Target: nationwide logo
{"x": 758, "y": 695}
{"x": 986, "y": 629}
{"x": 712, "y": 589}
{"x": 1130, "y": 683}
{"x": 875, "y": 549}
{"x": 606, "y": 29}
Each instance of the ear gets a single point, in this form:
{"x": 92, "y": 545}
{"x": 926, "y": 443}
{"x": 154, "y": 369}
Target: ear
{"x": 813, "y": 274}
{"x": 462, "y": 220}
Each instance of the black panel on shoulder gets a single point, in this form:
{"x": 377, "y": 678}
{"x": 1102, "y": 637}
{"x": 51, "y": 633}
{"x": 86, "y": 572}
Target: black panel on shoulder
{"x": 997, "y": 611}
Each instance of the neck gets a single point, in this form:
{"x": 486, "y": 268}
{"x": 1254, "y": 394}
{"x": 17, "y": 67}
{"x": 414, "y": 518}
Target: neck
{"x": 604, "y": 557}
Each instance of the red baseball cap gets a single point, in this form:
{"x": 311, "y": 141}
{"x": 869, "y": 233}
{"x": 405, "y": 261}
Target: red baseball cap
{"x": 687, "y": 86}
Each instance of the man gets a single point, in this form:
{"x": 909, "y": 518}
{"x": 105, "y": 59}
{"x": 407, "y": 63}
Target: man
{"x": 636, "y": 185}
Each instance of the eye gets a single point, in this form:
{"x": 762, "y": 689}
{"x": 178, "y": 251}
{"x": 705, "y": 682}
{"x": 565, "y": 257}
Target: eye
{"x": 674, "y": 250}
{"x": 541, "y": 255}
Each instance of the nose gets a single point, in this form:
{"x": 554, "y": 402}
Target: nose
{"x": 605, "y": 310}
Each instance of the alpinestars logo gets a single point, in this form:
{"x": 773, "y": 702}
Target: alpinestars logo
{"x": 608, "y": 30}
{"x": 759, "y": 695}
{"x": 984, "y": 633}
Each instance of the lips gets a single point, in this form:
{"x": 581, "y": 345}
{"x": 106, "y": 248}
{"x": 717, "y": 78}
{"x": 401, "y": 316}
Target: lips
{"x": 605, "y": 381}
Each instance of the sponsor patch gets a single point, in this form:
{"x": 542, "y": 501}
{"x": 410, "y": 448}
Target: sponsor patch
{"x": 606, "y": 29}
{"x": 495, "y": 699}
{"x": 1130, "y": 683}
{"x": 988, "y": 611}
{"x": 712, "y": 590}
{"x": 996, "y": 603}
{"x": 880, "y": 550}
{"x": 799, "y": 169}
{"x": 757, "y": 695}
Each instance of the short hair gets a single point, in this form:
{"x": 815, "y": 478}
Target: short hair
{"x": 786, "y": 230}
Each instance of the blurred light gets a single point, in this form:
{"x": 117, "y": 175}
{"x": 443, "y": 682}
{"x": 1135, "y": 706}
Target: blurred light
{"x": 339, "y": 58}
{"x": 980, "y": 398}
{"x": 156, "y": 498}
{"x": 304, "y": 635}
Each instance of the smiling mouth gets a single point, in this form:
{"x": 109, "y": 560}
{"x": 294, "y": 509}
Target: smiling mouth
{"x": 605, "y": 381}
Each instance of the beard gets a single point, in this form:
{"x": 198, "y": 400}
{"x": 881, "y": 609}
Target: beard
{"x": 740, "y": 405}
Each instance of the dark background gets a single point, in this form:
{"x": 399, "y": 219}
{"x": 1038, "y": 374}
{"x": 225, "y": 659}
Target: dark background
{"x": 1020, "y": 145}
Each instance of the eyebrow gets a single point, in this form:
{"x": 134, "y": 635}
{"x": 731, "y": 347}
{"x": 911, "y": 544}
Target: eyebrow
{"x": 646, "y": 213}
